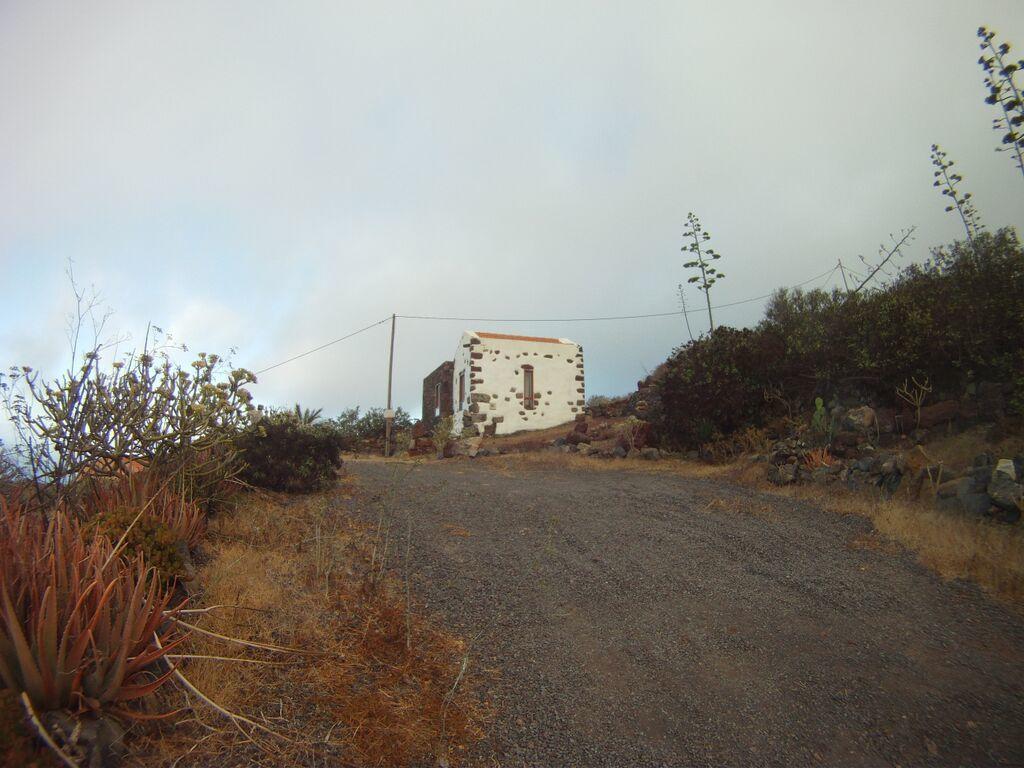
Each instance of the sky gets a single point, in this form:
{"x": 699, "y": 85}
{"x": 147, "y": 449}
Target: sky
{"x": 268, "y": 177}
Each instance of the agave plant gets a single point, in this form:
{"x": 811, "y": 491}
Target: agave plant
{"x": 81, "y": 626}
{"x": 143, "y": 492}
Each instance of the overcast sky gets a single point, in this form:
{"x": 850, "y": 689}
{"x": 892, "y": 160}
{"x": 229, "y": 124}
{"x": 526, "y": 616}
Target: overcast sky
{"x": 272, "y": 176}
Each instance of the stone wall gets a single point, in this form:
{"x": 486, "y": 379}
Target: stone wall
{"x": 441, "y": 375}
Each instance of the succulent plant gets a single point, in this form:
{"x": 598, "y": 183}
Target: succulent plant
{"x": 78, "y": 622}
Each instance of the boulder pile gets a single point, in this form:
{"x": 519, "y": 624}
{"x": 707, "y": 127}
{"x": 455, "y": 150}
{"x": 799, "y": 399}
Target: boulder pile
{"x": 990, "y": 487}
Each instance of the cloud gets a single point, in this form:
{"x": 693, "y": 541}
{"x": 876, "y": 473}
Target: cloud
{"x": 273, "y": 178}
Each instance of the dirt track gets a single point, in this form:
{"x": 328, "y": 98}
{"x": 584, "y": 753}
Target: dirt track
{"x": 653, "y": 619}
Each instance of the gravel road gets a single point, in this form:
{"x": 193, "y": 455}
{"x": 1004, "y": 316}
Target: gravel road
{"x": 653, "y": 619}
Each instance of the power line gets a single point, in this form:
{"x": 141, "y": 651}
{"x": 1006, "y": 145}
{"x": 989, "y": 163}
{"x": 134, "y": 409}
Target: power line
{"x": 827, "y": 274}
{"x": 675, "y": 313}
{"x": 323, "y": 346}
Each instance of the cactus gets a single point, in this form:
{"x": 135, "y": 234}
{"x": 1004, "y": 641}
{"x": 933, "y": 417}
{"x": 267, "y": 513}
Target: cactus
{"x": 819, "y": 421}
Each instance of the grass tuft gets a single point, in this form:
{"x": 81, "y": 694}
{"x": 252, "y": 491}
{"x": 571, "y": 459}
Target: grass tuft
{"x": 297, "y": 573}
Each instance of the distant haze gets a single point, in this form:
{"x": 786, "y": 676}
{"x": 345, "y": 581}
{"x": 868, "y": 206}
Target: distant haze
{"x": 272, "y": 176}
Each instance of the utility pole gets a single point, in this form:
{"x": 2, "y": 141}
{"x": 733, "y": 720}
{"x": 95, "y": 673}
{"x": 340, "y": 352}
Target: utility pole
{"x": 842, "y": 271}
{"x": 389, "y": 415}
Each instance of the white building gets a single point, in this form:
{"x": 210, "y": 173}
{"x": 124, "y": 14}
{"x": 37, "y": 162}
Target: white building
{"x": 503, "y": 383}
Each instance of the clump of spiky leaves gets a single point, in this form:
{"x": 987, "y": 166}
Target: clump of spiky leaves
{"x": 1003, "y": 91}
{"x": 81, "y": 626}
{"x": 948, "y": 182}
{"x": 184, "y": 520}
{"x": 703, "y": 260}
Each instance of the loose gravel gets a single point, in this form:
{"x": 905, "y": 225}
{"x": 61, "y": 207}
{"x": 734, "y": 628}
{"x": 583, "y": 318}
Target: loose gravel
{"x": 649, "y": 619}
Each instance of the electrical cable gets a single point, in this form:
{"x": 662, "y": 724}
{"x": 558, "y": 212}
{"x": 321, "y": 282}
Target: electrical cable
{"x": 828, "y": 274}
{"x": 678, "y": 312}
{"x": 322, "y": 346}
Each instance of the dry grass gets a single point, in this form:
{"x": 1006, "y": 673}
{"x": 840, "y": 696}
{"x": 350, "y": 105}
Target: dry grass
{"x": 380, "y": 686}
{"x": 958, "y": 451}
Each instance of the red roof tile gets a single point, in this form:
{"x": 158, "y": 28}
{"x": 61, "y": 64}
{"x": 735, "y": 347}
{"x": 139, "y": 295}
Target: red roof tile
{"x": 512, "y": 337}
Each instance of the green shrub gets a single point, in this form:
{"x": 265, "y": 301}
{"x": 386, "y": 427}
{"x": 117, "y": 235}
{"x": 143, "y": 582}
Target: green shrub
{"x": 368, "y": 425}
{"x": 282, "y": 454}
{"x": 956, "y": 318}
{"x": 442, "y": 432}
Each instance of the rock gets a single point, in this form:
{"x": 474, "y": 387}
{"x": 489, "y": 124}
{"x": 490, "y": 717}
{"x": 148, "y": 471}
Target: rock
{"x": 980, "y": 478}
{"x": 1003, "y": 488}
{"x": 575, "y": 438}
{"x": 939, "y": 413}
{"x": 845, "y": 439}
{"x": 472, "y": 447}
{"x": 651, "y": 454}
{"x": 823, "y": 475}
{"x": 885, "y": 420}
{"x": 584, "y": 449}
{"x": 860, "y": 419}
{"x": 950, "y": 489}
{"x": 887, "y": 464}
{"x": 983, "y": 460}
{"x": 558, "y": 442}
{"x": 633, "y": 453}
{"x": 619, "y": 452}
{"x": 891, "y": 481}
{"x": 976, "y": 503}
{"x": 785, "y": 451}
{"x": 581, "y": 427}
{"x": 692, "y": 455}
{"x": 93, "y": 742}
{"x": 1008, "y": 516}
{"x": 961, "y": 495}
{"x": 864, "y": 464}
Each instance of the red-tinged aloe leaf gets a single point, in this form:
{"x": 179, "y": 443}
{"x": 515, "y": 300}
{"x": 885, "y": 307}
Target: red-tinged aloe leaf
{"x": 115, "y": 676}
{"x": 7, "y": 676}
{"x": 129, "y": 692}
{"x": 46, "y": 647}
{"x": 81, "y": 644}
{"x": 143, "y": 660}
{"x": 29, "y": 676}
{"x": 68, "y": 663}
{"x": 129, "y": 714}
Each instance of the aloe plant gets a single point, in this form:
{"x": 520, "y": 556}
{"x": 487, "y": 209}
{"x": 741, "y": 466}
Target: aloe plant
{"x": 81, "y": 626}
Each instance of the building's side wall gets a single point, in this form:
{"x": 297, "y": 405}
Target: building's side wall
{"x": 494, "y": 393}
{"x": 441, "y": 375}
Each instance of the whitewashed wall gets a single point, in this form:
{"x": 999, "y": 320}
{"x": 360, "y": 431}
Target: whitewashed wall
{"x": 494, "y": 383}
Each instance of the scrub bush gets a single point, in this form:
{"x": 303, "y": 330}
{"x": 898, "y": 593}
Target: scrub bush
{"x": 283, "y": 454}
{"x": 956, "y": 319}
{"x": 142, "y": 409}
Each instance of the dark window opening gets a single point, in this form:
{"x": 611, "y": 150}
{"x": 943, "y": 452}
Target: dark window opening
{"x": 437, "y": 399}
{"x": 528, "y": 399}
{"x": 462, "y": 388}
